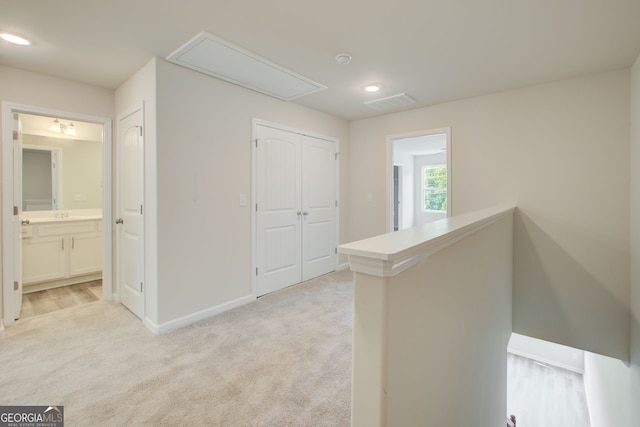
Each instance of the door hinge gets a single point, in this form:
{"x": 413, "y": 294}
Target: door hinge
{"x": 16, "y": 285}
{"x": 15, "y": 135}
{"x": 140, "y": 127}
{"x": 256, "y": 141}
{"x": 256, "y": 207}
{"x": 140, "y": 286}
{"x": 336, "y": 156}
{"x": 16, "y": 211}
{"x": 256, "y": 271}
{"x": 140, "y": 209}
{"x": 336, "y": 251}
{"x": 336, "y": 203}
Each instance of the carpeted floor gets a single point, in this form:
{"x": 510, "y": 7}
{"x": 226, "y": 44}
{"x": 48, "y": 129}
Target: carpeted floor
{"x": 284, "y": 360}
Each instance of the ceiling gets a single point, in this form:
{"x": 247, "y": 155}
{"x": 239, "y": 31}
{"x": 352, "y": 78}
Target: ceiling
{"x": 432, "y": 50}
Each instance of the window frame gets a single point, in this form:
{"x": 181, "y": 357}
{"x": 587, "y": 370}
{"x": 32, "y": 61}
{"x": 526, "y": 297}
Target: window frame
{"x": 424, "y": 188}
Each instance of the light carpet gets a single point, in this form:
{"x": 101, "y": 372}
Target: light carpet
{"x": 283, "y": 360}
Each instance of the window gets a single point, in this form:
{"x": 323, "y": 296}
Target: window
{"x": 434, "y": 188}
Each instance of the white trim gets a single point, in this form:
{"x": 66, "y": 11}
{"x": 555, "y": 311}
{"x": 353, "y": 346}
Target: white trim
{"x": 8, "y": 109}
{"x": 390, "y": 163}
{"x": 342, "y": 267}
{"x": 400, "y": 167}
{"x": 544, "y": 360}
{"x": 254, "y": 132}
{"x": 187, "y": 320}
{"x": 388, "y": 255}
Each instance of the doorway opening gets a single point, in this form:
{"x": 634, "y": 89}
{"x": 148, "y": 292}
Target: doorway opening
{"x": 56, "y": 207}
{"x": 420, "y": 178}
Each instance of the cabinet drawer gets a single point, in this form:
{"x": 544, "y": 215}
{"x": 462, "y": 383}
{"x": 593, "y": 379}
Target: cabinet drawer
{"x": 66, "y": 228}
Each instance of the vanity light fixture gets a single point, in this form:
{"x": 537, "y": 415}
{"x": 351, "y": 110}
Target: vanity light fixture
{"x": 70, "y": 130}
{"x": 55, "y": 126}
{"x": 58, "y": 127}
{"x": 12, "y": 38}
{"x": 372, "y": 88}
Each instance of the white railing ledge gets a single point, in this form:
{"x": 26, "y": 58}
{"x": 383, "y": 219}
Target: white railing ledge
{"x": 389, "y": 254}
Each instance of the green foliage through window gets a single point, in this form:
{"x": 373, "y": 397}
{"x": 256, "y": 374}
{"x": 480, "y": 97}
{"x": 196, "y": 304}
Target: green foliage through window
{"x": 435, "y": 188}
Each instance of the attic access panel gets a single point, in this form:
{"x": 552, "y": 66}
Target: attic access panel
{"x": 219, "y": 58}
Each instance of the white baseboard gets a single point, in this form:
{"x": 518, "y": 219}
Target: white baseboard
{"x": 183, "y": 321}
{"x": 342, "y": 267}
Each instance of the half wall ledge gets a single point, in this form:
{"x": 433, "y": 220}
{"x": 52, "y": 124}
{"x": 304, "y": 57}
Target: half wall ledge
{"x": 389, "y": 254}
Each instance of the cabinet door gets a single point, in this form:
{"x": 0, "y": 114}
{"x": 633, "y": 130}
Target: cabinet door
{"x": 85, "y": 254}
{"x": 43, "y": 259}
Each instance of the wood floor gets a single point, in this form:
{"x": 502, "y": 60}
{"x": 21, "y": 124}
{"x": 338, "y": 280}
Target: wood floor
{"x": 47, "y": 301}
{"x": 545, "y": 396}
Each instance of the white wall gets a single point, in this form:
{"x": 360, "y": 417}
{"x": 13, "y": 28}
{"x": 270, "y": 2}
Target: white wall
{"x": 607, "y": 384}
{"x": 429, "y": 343}
{"x": 203, "y": 166}
{"x": 635, "y": 236}
{"x": 546, "y": 149}
{"x": 37, "y": 90}
{"x": 420, "y": 216}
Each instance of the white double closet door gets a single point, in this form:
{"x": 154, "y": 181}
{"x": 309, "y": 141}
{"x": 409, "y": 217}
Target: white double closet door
{"x": 296, "y": 208}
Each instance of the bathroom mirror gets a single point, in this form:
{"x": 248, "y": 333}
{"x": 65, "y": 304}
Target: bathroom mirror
{"x": 60, "y": 171}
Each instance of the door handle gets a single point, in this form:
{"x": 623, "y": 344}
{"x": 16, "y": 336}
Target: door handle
{"x": 119, "y": 221}
{"x": 305, "y": 213}
{"x": 25, "y": 222}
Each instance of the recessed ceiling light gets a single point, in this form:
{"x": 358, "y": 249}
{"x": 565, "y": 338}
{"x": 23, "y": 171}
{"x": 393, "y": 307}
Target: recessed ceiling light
{"x": 372, "y": 88}
{"x": 12, "y": 38}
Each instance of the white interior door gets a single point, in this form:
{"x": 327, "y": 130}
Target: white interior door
{"x": 279, "y": 215}
{"x": 130, "y": 223}
{"x": 296, "y": 207}
{"x": 318, "y": 207}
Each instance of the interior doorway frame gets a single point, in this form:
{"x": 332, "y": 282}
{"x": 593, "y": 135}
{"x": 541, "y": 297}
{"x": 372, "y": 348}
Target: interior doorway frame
{"x": 396, "y": 198}
{"x": 8, "y": 270}
{"x": 390, "y": 165}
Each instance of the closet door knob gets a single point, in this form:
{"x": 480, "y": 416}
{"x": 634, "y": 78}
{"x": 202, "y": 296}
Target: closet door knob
{"x": 119, "y": 221}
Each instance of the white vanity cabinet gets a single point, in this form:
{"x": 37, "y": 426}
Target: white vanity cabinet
{"x": 61, "y": 252}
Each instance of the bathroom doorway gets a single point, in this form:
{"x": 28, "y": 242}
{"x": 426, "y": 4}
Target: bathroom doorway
{"x": 420, "y": 178}
{"x": 57, "y": 205}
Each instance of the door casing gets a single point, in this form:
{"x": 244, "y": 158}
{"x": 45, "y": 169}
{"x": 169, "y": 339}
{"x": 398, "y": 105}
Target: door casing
{"x": 9, "y": 273}
{"x": 390, "y": 164}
